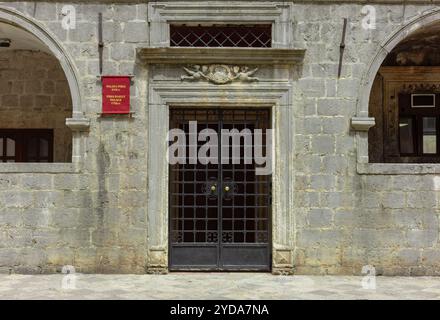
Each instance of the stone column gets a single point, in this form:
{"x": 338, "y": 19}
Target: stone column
{"x": 282, "y": 190}
{"x": 157, "y": 214}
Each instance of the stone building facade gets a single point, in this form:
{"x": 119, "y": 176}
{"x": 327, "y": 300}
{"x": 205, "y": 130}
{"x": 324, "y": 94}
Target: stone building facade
{"x": 103, "y": 204}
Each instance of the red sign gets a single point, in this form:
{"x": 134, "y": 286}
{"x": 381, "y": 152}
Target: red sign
{"x": 115, "y": 94}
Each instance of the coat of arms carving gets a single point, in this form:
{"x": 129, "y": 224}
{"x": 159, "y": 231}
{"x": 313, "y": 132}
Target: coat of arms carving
{"x": 219, "y": 73}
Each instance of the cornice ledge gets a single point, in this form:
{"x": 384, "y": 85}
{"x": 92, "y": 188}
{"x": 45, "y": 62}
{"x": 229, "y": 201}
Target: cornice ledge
{"x": 251, "y": 56}
{"x": 386, "y": 70}
{"x": 362, "y": 123}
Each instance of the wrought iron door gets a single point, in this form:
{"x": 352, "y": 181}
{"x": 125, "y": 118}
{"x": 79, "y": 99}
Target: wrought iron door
{"x": 220, "y": 213}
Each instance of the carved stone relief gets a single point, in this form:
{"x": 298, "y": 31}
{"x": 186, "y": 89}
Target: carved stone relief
{"x": 219, "y": 73}
{"x": 420, "y": 87}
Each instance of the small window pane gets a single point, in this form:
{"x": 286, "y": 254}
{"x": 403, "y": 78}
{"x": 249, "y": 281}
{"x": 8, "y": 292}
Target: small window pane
{"x": 1, "y": 147}
{"x": 32, "y": 148}
{"x": 44, "y": 148}
{"x": 429, "y": 135}
{"x": 10, "y": 147}
{"x": 406, "y": 135}
{"x": 423, "y": 100}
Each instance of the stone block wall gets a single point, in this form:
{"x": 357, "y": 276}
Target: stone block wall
{"x": 346, "y": 220}
{"x": 95, "y": 219}
{"x": 34, "y": 95}
{"x": 51, "y": 220}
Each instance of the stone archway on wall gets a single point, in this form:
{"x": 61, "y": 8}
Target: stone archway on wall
{"x": 362, "y": 122}
{"x": 78, "y": 122}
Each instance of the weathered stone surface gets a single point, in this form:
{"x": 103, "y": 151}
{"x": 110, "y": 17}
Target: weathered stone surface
{"x": 97, "y": 218}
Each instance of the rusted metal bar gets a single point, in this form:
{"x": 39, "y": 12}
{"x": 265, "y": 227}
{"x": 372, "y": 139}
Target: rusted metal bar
{"x": 100, "y": 42}
{"x": 342, "y": 47}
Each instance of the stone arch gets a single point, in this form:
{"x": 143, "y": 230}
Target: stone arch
{"x": 366, "y": 84}
{"x": 14, "y": 17}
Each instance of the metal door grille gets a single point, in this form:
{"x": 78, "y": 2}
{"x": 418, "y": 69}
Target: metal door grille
{"x": 211, "y": 228}
{"x": 256, "y": 36}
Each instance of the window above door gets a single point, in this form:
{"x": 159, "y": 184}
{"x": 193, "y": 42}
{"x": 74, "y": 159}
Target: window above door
{"x": 219, "y": 19}
{"x": 244, "y": 36}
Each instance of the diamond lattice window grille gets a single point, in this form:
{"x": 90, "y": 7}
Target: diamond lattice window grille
{"x": 255, "y": 36}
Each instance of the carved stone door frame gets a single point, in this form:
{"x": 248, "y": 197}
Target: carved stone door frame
{"x": 274, "y": 88}
{"x": 270, "y": 83}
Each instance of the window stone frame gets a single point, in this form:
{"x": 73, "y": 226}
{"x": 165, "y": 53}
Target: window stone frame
{"x": 162, "y": 14}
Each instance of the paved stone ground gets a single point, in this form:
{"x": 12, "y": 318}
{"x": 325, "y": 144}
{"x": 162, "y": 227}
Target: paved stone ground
{"x": 214, "y": 286}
